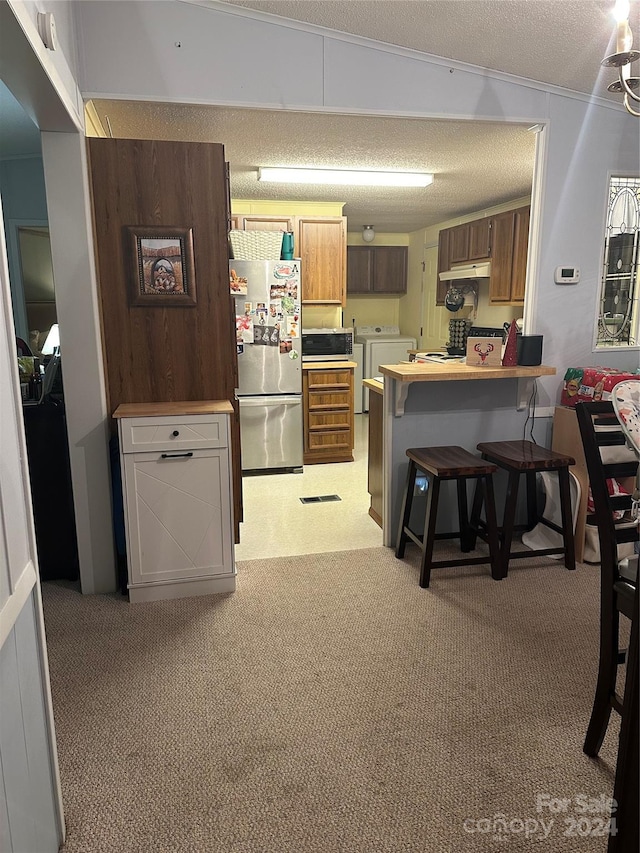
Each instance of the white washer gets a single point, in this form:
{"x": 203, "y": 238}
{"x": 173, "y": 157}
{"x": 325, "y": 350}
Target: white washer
{"x": 382, "y": 345}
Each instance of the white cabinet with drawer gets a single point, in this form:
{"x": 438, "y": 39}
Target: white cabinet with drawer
{"x": 177, "y": 492}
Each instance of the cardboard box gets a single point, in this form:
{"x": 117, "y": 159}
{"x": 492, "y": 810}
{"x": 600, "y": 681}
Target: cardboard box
{"x": 484, "y": 352}
{"x": 590, "y": 384}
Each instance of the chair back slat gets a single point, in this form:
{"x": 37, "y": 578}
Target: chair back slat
{"x": 610, "y": 533}
{"x": 619, "y": 470}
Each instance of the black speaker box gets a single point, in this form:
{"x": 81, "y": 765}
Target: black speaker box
{"x": 529, "y": 350}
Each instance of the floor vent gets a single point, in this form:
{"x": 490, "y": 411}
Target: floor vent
{"x": 320, "y": 499}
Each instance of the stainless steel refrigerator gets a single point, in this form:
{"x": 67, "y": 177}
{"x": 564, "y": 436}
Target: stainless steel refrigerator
{"x": 267, "y": 297}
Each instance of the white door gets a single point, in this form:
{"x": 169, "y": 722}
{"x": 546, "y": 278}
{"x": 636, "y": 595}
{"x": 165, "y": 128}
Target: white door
{"x": 30, "y": 802}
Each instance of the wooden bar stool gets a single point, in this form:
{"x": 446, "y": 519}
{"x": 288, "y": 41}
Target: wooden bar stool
{"x": 525, "y": 457}
{"x": 449, "y": 463}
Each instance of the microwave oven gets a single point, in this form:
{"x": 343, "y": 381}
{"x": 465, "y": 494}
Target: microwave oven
{"x": 327, "y": 344}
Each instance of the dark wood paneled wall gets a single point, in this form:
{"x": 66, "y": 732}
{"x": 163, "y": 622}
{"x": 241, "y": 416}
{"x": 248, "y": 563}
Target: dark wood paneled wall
{"x": 157, "y": 354}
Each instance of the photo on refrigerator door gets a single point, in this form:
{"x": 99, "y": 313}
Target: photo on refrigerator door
{"x": 237, "y": 283}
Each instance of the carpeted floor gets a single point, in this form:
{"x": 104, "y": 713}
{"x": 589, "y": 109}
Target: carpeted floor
{"x": 330, "y": 704}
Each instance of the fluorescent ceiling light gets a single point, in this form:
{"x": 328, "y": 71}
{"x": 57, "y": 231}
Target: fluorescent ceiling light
{"x": 345, "y": 177}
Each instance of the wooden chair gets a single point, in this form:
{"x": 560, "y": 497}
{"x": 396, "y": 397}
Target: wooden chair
{"x": 600, "y": 428}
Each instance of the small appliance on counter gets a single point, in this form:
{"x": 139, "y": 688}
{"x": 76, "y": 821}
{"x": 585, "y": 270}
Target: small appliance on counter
{"x": 327, "y": 344}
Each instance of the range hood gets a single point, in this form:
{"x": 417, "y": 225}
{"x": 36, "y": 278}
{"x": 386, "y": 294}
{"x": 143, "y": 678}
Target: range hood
{"x": 469, "y": 271}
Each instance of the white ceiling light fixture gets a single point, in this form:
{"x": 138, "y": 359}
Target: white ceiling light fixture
{"x": 368, "y": 234}
{"x": 345, "y": 177}
{"x": 623, "y": 57}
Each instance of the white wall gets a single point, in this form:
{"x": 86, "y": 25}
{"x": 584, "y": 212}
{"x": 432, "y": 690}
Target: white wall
{"x": 585, "y": 140}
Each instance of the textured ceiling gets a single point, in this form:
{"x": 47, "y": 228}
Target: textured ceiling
{"x": 476, "y": 165}
{"x": 560, "y": 42}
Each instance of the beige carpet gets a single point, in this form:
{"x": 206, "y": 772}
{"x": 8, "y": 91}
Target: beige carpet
{"x": 330, "y": 704}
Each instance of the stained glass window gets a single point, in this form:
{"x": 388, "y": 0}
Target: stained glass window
{"x": 619, "y": 314}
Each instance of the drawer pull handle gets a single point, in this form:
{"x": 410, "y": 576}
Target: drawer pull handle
{"x": 177, "y": 455}
{"x": 175, "y": 433}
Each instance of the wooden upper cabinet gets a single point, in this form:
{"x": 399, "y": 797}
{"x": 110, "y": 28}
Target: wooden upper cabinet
{"x": 479, "y": 239}
{"x": 522, "y": 218}
{"x": 359, "y": 269}
{"x": 503, "y": 239}
{"x": 443, "y": 264}
{"x": 470, "y": 241}
{"x": 459, "y": 244}
{"x": 509, "y": 257}
{"x": 377, "y": 269}
{"x": 502, "y": 258}
{"x": 319, "y": 241}
{"x": 262, "y": 222}
{"x": 322, "y": 249}
{"x": 390, "y": 269}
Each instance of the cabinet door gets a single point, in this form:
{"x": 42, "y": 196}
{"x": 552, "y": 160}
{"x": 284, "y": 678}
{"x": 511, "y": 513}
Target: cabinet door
{"x": 479, "y": 239}
{"x": 520, "y": 246}
{"x": 502, "y": 257}
{"x": 443, "y": 264}
{"x": 459, "y": 244}
{"x": 264, "y": 222}
{"x": 359, "y": 269}
{"x": 322, "y": 248}
{"x": 390, "y": 269}
{"x": 178, "y": 515}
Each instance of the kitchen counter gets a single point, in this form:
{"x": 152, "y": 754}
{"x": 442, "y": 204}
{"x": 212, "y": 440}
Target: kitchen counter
{"x": 326, "y": 365}
{"x": 406, "y": 373}
{"x": 412, "y": 371}
{"x": 188, "y": 407}
{"x": 434, "y": 404}
{"x": 374, "y": 385}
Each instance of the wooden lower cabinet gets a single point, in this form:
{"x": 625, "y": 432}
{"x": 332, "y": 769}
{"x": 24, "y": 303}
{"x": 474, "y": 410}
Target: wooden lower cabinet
{"x": 328, "y": 414}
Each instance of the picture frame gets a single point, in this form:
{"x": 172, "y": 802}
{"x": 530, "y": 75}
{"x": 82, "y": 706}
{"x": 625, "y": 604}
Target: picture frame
{"x": 163, "y": 268}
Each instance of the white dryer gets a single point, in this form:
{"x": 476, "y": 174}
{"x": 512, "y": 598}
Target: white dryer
{"x": 381, "y": 345}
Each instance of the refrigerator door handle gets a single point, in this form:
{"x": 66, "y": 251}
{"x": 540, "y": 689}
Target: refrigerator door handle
{"x": 271, "y": 401}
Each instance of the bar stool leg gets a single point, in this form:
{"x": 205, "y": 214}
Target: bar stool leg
{"x": 567, "y": 520}
{"x": 509, "y": 520}
{"x": 532, "y": 500}
{"x": 476, "y": 507}
{"x": 497, "y": 567}
{"x": 463, "y": 516}
{"x": 433, "y": 491}
{"x": 405, "y": 512}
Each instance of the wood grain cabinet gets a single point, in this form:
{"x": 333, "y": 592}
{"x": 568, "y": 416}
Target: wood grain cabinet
{"x": 328, "y": 414}
{"x": 470, "y": 241}
{"x": 509, "y": 257}
{"x": 321, "y": 244}
{"x": 504, "y": 239}
{"x": 177, "y": 492}
{"x": 376, "y": 269}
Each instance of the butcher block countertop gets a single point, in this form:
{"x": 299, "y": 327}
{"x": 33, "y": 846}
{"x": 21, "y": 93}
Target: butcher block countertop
{"x": 327, "y": 365}
{"x": 374, "y": 385}
{"x": 411, "y": 371}
{"x": 188, "y": 407}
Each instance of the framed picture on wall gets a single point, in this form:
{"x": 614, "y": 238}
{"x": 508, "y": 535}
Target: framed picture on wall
{"x": 163, "y": 270}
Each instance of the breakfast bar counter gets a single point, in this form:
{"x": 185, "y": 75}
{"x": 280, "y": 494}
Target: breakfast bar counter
{"x": 447, "y": 404}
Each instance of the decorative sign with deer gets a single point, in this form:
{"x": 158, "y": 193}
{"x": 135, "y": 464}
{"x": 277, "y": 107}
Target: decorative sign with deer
{"x": 484, "y": 352}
